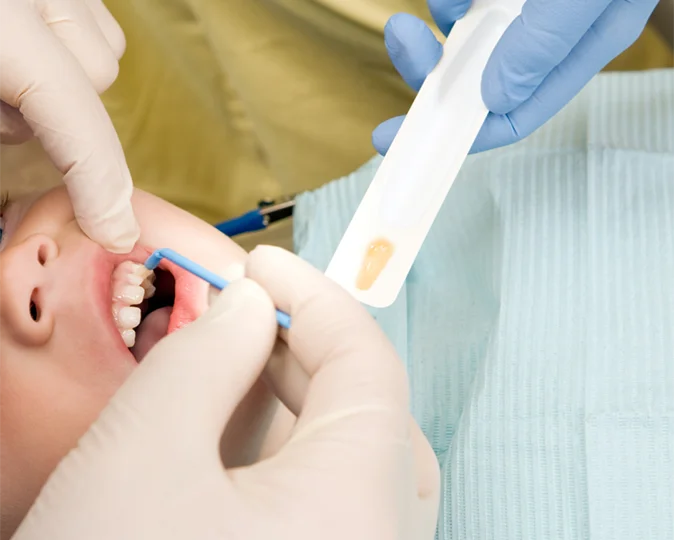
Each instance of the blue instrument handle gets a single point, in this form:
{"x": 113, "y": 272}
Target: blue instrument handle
{"x": 249, "y": 222}
{"x": 215, "y": 280}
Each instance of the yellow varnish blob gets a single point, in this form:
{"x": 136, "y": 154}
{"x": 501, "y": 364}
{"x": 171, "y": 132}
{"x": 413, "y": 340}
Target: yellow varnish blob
{"x": 377, "y": 256}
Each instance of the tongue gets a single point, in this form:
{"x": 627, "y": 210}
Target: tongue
{"x": 151, "y": 330}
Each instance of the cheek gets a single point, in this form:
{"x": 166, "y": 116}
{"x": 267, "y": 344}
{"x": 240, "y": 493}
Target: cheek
{"x": 44, "y": 412}
{"x": 42, "y": 416}
{"x": 87, "y": 356}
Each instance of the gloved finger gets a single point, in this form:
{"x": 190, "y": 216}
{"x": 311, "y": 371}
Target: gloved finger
{"x": 109, "y": 26}
{"x": 446, "y": 12}
{"x": 496, "y": 131}
{"x": 427, "y": 472}
{"x": 13, "y": 128}
{"x": 412, "y": 48}
{"x": 46, "y": 84}
{"x": 534, "y": 44}
{"x": 355, "y": 375}
{"x": 191, "y": 382}
{"x": 617, "y": 28}
{"x": 384, "y": 133}
{"x": 74, "y": 25}
{"x": 286, "y": 377}
{"x": 290, "y": 384}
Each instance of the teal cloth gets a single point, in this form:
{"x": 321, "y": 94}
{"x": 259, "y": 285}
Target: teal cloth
{"x": 537, "y": 324}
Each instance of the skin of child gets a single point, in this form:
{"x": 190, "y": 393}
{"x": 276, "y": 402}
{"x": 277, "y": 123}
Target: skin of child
{"x": 59, "y": 372}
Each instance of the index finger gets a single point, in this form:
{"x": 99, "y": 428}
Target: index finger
{"x": 534, "y": 44}
{"x": 353, "y": 369}
{"x": 43, "y": 80}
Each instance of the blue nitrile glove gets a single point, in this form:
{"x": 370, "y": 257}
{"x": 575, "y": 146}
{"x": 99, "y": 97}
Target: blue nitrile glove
{"x": 542, "y": 61}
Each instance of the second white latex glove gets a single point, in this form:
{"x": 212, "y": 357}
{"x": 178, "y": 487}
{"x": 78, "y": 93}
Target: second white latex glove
{"x": 55, "y": 57}
{"x": 354, "y": 465}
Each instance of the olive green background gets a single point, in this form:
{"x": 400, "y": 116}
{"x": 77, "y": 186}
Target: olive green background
{"x": 220, "y": 103}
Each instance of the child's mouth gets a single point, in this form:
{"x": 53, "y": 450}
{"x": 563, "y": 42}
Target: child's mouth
{"x": 155, "y": 315}
{"x": 145, "y": 311}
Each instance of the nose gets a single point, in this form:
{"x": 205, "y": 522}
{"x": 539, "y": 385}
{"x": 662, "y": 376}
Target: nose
{"x": 25, "y": 281}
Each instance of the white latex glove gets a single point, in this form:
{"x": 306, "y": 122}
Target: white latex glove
{"x": 354, "y": 466}
{"x": 55, "y": 57}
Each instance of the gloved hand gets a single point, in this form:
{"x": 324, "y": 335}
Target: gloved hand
{"x": 354, "y": 465}
{"x": 543, "y": 60}
{"x": 55, "y": 56}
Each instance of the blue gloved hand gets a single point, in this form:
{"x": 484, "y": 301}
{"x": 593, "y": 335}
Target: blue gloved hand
{"x": 543, "y": 60}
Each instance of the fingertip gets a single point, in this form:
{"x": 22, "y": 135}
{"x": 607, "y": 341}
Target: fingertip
{"x": 384, "y": 133}
{"x": 498, "y": 89}
{"x": 266, "y": 255}
{"x": 446, "y": 12}
{"x": 117, "y": 40}
{"x": 118, "y": 249}
{"x": 380, "y": 145}
{"x": 119, "y": 245}
{"x": 402, "y": 24}
{"x": 496, "y": 131}
{"x": 252, "y": 291}
{"x": 278, "y": 271}
{"x": 244, "y": 294}
{"x": 107, "y": 75}
{"x": 117, "y": 234}
{"x": 109, "y": 26}
{"x": 234, "y": 272}
{"x": 412, "y": 47}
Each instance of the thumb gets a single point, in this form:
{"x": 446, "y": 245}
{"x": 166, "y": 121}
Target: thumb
{"x": 190, "y": 383}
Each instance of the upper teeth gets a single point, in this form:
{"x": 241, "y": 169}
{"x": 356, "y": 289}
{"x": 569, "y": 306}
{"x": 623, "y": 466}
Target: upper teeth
{"x": 130, "y": 286}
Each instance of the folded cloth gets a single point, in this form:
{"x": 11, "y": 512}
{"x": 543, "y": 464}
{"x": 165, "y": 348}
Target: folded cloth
{"x": 537, "y": 324}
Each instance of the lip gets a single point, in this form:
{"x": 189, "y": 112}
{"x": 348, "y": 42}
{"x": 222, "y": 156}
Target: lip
{"x": 190, "y": 292}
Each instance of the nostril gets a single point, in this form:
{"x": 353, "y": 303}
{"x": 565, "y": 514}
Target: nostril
{"x": 39, "y": 328}
{"x": 42, "y": 254}
{"x": 46, "y": 249}
{"x": 34, "y": 309}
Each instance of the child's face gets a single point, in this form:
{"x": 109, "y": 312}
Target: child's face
{"x": 61, "y": 354}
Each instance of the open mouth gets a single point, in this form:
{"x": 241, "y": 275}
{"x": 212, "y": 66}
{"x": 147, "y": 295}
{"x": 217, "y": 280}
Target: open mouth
{"x": 147, "y": 309}
{"x": 155, "y": 314}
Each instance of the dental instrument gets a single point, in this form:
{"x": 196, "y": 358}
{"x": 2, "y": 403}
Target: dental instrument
{"x": 213, "y": 279}
{"x": 267, "y": 212}
{"x": 389, "y": 227}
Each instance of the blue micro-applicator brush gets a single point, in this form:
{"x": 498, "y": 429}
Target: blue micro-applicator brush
{"x": 193, "y": 268}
